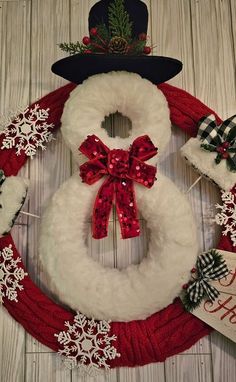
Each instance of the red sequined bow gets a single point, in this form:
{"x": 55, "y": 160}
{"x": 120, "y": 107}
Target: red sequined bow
{"x": 122, "y": 167}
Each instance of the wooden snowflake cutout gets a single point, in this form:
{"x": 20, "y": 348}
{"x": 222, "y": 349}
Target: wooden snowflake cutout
{"x": 28, "y": 131}
{"x": 227, "y": 215}
{"x": 10, "y": 275}
{"x": 87, "y": 344}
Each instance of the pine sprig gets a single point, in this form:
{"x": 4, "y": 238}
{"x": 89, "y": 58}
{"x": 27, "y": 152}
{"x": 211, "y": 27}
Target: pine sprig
{"x": 188, "y": 304}
{"x": 137, "y": 46}
{"x": 208, "y": 147}
{"x": 103, "y": 32}
{"x": 72, "y": 47}
{"x": 119, "y": 22}
{"x": 218, "y": 258}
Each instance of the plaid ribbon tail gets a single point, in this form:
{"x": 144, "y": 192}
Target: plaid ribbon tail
{"x": 210, "y": 291}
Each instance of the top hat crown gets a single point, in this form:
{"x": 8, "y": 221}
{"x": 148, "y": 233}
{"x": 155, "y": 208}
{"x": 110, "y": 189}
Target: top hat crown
{"x": 124, "y": 24}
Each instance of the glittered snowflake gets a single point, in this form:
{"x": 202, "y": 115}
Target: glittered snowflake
{"x": 227, "y": 215}
{"x": 87, "y": 344}
{"x": 10, "y": 275}
{"x": 28, "y": 131}
{"x": 7, "y": 118}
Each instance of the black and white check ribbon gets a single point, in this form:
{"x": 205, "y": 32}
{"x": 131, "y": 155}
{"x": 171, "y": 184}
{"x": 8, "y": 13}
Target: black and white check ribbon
{"x": 206, "y": 272}
{"x": 211, "y": 134}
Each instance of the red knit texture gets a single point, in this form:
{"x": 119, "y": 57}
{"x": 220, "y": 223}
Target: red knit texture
{"x": 165, "y": 333}
{"x": 11, "y": 163}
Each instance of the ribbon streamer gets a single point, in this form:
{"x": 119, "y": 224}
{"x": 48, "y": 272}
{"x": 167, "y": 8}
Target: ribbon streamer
{"x": 220, "y": 139}
{"x": 122, "y": 168}
{"x": 207, "y": 271}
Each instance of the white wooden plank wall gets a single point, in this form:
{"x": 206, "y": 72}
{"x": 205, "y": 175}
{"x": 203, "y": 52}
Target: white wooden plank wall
{"x": 202, "y": 34}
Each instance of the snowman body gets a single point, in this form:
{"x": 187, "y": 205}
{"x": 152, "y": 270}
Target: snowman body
{"x": 79, "y": 281}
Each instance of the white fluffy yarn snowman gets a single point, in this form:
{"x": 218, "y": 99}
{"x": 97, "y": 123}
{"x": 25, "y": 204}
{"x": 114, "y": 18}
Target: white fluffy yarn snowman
{"x": 79, "y": 281}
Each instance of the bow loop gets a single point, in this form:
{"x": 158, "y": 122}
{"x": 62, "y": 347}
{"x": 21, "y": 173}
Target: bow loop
{"x": 92, "y": 171}
{"x": 122, "y": 167}
{"x": 142, "y": 173}
{"x": 143, "y": 148}
{"x": 93, "y": 147}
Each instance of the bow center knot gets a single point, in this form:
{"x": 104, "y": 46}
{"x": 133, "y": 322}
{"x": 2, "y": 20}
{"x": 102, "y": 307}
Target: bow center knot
{"x": 118, "y": 163}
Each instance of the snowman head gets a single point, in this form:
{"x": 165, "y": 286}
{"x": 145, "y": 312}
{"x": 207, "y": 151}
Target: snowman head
{"x": 113, "y": 65}
{"x": 104, "y": 94}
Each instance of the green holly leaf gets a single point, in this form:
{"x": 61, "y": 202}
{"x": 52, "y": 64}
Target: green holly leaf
{"x": 218, "y": 158}
{"x": 208, "y": 147}
{"x": 231, "y": 164}
{"x": 231, "y": 149}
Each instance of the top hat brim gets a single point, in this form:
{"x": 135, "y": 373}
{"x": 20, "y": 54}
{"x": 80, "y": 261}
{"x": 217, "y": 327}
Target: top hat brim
{"x": 79, "y": 67}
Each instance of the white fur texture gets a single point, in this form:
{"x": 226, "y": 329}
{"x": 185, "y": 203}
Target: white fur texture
{"x": 204, "y": 162}
{"x": 104, "y": 94}
{"x": 104, "y": 293}
{"x": 13, "y": 191}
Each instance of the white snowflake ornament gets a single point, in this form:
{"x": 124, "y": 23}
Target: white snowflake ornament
{"x": 87, "y": 345}
{"x": 28, "y": 131}
{"x": 10, "y": 275}
{"x": 227, "y": 215}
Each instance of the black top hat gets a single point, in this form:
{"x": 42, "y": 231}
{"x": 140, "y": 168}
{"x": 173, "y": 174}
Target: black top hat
{"x": 124, "y": 25}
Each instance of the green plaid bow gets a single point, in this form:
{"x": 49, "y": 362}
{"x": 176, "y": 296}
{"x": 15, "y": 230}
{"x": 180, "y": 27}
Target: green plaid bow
{"x": 220, "y": 139}
{"x": 210, "y": 266}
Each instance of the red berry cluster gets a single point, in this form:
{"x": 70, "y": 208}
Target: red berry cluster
{"x": 222, "y": 149}
{"x": 185, "y": 286}
{"x": 87, "y": 41}
{"x": 147, "y": 49}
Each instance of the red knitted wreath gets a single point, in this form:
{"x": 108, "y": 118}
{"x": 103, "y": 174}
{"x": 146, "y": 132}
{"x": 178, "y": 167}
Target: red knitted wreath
{"x": 165, "y": 333}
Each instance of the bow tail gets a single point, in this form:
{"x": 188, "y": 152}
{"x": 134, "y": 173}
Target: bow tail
{"x": 211, "y": 292}
{"x": 102, "y": 209}
{"x": 126, "y": 208}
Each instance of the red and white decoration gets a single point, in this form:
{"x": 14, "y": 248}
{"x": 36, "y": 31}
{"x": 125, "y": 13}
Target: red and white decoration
{"x": 212, "y": 152}
{"x": 162, "y": 205}
{"x": 171, "y": 330}
{"x": 11, "y": 275}
{"x": 87, "y": 345}
{"x": 227, "y": 215}
{"x": 28, "y": 131}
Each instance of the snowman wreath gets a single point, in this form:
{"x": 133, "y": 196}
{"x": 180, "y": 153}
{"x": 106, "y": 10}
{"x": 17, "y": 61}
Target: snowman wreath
{"x": 148, "y": 322}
